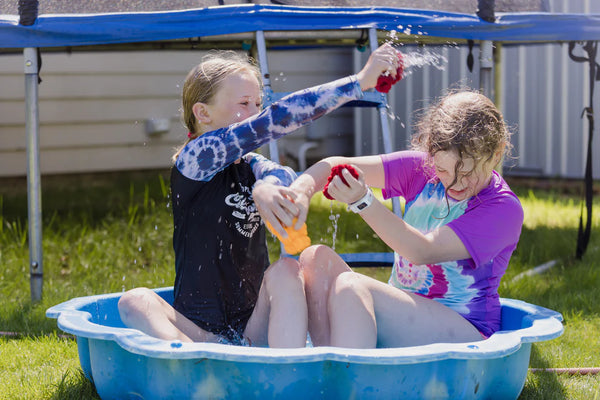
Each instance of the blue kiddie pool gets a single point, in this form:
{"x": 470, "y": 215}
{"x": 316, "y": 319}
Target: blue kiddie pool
{"x": 124, "y": 363}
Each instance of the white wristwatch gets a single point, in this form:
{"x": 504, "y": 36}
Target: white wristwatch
{"x": 362, "y": 203}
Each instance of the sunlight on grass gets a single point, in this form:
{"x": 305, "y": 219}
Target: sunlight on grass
{"x": 28, "y": 366}
{"x": 113, "y": 234}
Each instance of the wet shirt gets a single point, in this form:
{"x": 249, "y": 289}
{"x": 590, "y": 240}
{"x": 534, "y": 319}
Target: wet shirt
{"x": 489, "y": 225}
{"x": 219, "y": 238}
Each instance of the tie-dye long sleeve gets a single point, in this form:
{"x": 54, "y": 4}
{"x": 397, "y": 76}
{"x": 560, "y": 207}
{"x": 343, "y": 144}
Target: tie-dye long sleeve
{"x": 205, "y": 156}
{"x": 269, "y": 171}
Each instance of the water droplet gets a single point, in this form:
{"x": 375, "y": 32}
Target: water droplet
{"x": 423, "y": 58}
{"x": 334, "y": 220}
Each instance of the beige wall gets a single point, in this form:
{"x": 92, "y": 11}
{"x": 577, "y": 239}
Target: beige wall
{"x": 93, "y": 106}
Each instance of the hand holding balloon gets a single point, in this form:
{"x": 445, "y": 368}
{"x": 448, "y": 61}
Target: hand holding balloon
{"x": 386, "y": 81}
{"x": 337, "y": 170}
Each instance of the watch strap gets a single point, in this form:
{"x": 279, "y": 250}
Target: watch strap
{"x": 362, "y": 203}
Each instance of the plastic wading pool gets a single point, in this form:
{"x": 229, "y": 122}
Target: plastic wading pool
{"x": 124, "y": 363}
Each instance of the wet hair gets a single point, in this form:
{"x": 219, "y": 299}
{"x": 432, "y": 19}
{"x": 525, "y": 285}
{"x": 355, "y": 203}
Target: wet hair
{"x": 204, "y": 80}
{"x": 464, "y": 122}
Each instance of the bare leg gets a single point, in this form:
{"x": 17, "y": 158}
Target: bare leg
{"x": 365, "y": 312}
{"x": 280, "y": 316}
{"x": 352, "y": 313}
{"x": 143, "y": 309}
{"x": 321, "y": 266}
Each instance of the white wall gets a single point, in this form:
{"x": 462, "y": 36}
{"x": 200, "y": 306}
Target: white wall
{"x": 93, "y": 106}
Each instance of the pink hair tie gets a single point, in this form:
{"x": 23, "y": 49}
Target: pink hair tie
{"x": 191, "y": 135}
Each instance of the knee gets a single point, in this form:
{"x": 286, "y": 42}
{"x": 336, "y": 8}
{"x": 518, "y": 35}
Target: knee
{"x": 284, "y": 272}
{"x": 347, "y": 282}
{"x": 316, "y": 259}
{"x": 316, "y": 252}
{"x": 134, "y": 301}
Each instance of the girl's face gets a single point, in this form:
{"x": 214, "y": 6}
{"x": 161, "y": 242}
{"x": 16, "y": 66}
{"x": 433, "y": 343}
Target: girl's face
{"x": 238, "y": 98}
{"x": 471, "y": 178}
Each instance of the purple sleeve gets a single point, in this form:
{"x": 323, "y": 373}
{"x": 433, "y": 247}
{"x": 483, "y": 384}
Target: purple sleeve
{"x": 491, "y": 225}
{"x": 405, "y": 174}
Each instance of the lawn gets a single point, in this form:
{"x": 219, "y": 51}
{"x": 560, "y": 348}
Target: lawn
{"x": 112, "y": 232}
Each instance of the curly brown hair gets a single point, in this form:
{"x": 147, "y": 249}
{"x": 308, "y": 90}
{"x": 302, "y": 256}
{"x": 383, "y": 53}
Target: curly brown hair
{"x": 464, "y": 122}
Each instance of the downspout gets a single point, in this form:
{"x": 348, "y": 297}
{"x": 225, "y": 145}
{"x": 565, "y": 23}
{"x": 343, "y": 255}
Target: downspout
{"x": 28, "y": 12}
{"x": 490, "y": 77}
{"x": 485, "y": 11}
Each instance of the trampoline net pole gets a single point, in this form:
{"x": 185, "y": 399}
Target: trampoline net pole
{"x": 261, "y": 47}
{"x": 383, "y": 117}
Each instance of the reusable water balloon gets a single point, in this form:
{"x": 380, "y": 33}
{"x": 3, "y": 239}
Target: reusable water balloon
{"x": 337, "y": 171}
{"x": 296, "y": 241}
{"x": 385, "y": 82}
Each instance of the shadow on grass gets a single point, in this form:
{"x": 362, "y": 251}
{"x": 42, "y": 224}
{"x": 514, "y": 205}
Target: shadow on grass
{"x": 74, "y": 386}
{"x": 88, "y": 197}
{"x": 542, "y": 385}
{"x": 28, "y": 319}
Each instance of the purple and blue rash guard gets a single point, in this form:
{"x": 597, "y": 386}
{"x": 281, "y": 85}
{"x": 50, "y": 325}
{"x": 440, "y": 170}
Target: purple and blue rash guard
{"x": 219, "y": 238}
{"x": 489, "y": 225}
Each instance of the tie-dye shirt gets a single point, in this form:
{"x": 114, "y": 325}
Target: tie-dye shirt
{"x": 489, "y": 225}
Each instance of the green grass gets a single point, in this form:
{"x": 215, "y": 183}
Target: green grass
{"x": 112, "y": 232}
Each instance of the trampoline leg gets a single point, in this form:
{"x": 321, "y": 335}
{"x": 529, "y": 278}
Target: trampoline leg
{"x": 34, "y": 197}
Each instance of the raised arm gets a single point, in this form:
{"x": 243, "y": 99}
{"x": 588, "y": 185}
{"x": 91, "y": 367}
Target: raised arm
{"x": 203, "y": 157}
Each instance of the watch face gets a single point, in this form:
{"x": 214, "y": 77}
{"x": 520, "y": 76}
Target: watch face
{"x": 361, "y": 206}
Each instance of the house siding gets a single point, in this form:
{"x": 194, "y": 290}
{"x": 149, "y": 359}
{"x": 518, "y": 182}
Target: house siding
{"x": 93, "y": 107}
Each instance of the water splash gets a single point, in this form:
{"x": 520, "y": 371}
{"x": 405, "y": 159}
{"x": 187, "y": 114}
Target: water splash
{"x": 281, "y": 76}
{"x": 422, "y": 58}
{"x": 334, "y": 221}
